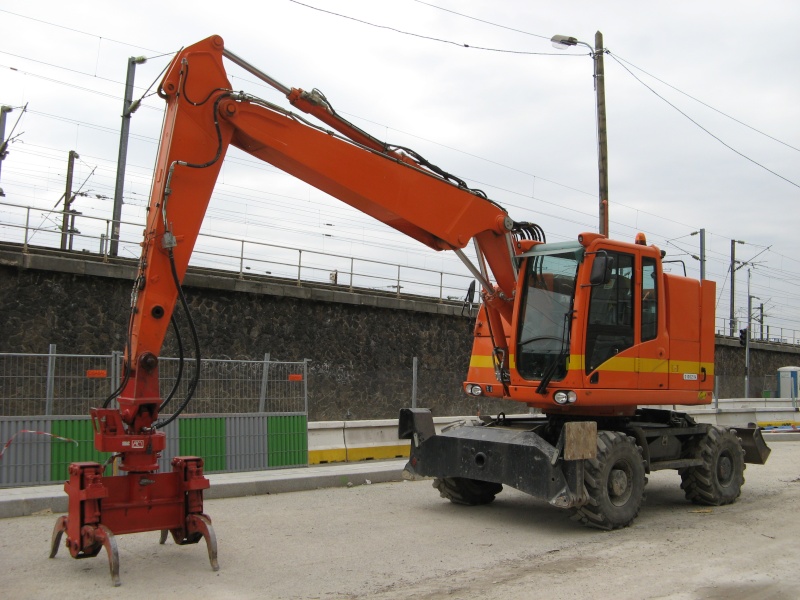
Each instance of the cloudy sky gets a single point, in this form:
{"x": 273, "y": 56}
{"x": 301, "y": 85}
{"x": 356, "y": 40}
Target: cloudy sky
{"x": 702, "y": 97}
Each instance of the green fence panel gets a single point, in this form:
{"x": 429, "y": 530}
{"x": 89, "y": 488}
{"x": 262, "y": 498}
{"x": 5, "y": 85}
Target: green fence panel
{"x": 64, "y": 453}
{"x": 203, "y": 437}
{"x": 287, "y": 440}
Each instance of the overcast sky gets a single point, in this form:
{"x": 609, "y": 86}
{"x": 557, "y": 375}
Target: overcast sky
{"x": 714, "y": 144}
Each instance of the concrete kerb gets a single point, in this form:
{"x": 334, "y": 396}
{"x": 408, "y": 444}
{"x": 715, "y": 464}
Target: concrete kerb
{"x": 20, "y": 502}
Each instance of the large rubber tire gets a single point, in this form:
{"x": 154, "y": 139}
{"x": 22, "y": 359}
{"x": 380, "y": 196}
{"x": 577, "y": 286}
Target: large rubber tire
{"x": 615, "y": 483}
{"x": 720, "y": 478}
{"x": 469, "y": 492}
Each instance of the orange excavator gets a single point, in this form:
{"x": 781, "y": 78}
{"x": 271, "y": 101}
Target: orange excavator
{"x": 591, "y": 333}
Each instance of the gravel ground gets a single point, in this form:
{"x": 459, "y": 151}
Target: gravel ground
{"x": 400, "y": 540}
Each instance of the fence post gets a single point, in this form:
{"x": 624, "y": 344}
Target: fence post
{"x": 262, "y": 399}
{"x": 351, "y": 273}
{"x": 305, "y": 385}
{"x": 716, "y": 393}
{"x": 414, "y": 383}
{"x": 441, "y": 286}
{"x": 51, "y": 373}
{"x": 116, "y": 370}
{"x": 27, "y": 224}
{"x": 299, "y": 264}
{"x": 104, "y": 245}
{"x": 241, "y": 261}
{"x": 398, "y": 281}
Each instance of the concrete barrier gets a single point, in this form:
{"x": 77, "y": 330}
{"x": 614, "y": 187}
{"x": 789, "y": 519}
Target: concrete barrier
{"x": 326, "y": 442}
{"x": 368, "y": 440}
{"x": 352, "y": 441}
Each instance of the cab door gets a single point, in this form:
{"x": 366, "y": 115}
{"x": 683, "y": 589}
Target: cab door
{"x": 652, "y": 363}
{"x": 610, "y": 353}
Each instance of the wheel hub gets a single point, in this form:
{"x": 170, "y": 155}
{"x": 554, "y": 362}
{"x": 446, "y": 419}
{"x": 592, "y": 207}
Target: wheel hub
{"x": 617, "y": 483}
{"x": 724, "y": 469}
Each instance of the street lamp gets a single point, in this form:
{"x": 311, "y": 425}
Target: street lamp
{"x": 561, "y": 42}
{"x": 3, "y": 142}
{"x": 734, "y": 268}
{"x": 128, "y": 108}
{"x": 702, "y": 259}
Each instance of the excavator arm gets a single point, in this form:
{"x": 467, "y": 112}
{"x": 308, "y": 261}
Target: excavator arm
{"x": 205, "y": 116}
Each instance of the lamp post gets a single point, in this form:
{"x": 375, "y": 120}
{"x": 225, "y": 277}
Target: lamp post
{"x": 563, "y": 41}
{"x": 3, "y": 142}
{"x": 734, "y": 268}
{"x": 748, "y": 337}
{"x": 702, "y": 257}
{"x": 128, "y": 108}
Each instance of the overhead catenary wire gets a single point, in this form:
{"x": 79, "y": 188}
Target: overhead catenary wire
{"x": 655, "y": 215}
{"x": 431, "y": 38}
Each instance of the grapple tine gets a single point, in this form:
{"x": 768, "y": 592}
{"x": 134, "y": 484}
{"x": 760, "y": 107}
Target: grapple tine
{"x": 103, "y": 534}
{"x": 202, "y": 524}
{"x": 58, "y": 531}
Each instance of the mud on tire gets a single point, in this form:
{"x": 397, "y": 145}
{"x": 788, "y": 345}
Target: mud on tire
{"x": 720, "y": 478}
{"x": 469, "y": 492}
{"x": 615, "y": 483}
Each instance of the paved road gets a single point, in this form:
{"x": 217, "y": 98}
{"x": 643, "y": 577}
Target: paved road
{"x": 400, "y": 540}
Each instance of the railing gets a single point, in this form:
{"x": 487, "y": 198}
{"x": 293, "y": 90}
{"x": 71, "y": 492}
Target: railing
{"x": 248, "y": 258}
{"x": 758, "y": 333}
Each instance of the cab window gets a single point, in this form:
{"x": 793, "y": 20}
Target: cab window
{"x": 610, "y": 326}
{"x": 649, "y": 300}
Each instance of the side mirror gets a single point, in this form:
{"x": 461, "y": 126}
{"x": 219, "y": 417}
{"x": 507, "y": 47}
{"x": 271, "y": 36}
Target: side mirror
{"x": 601, "y": 269}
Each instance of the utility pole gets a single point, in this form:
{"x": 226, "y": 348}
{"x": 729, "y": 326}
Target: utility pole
{"x": 748, "y": 336}
{"x": 128, "y": 108}
{"x": 65, "y": 225}
{"x": 3, "y": 142}
{"x": 761, "y": 321}
{"x": 702, "y": 254}
{"x": 733, "y": 285}
{"x": 602, "y": 131}
{"x": 702, "y": 233}
{"x": 564, "y": 41}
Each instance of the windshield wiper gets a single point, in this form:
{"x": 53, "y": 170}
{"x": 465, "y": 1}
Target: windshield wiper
{"x": 562, "y": 353}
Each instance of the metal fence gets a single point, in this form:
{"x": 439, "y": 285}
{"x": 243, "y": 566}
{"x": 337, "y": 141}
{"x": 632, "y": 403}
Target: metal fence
{"x": 68, "y": 384}
{"x": 245, "y": 415}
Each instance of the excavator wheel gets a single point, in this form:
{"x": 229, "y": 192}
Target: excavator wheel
{"x": 720, "y": 478}
{"x": 614, "y": 481}
{"x": 470, "y": 492}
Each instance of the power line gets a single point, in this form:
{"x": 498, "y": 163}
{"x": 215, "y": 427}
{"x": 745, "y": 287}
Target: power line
{"x": 545, "y": 37}
{"x": 94, "y": 35}
{"x": 705, "y": 104}
{"x": 431, "y": 38}
{"x": 728, "y": 146}
{"x": 72, "y": 85}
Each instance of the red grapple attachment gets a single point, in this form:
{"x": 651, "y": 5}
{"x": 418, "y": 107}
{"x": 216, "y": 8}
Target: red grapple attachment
{"x": 102, "y": 507}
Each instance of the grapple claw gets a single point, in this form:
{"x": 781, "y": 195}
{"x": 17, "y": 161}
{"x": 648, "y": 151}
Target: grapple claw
{"x": 103, "y": 534}
{"x": 58, "y": 531}
{"x": 202, "y": 524}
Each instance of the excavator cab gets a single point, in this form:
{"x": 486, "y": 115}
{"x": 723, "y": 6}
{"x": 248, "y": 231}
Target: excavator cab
{"x": 593, "y": 333}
